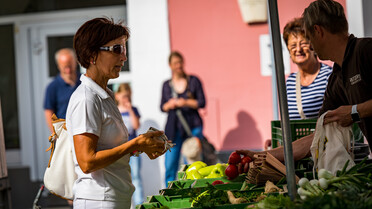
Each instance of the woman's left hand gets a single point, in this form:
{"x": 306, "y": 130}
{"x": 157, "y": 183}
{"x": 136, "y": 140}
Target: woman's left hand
{"x": 180, "y": 102}
{"x": 151, "y": 144}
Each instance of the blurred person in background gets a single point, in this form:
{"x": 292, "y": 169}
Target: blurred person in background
{"x": 59, "y": 91}
{"x": 189, "y": 98}
{"x": 96, "y": 130}
{"x": 131, "y": 120}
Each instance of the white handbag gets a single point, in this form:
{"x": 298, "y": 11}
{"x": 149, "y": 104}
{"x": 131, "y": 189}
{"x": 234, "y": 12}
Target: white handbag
{"x": 59, "y": 176}
{"x": 330, "y": 148}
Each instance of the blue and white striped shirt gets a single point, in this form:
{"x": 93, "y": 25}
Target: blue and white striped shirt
{"x": 311, "y": 96}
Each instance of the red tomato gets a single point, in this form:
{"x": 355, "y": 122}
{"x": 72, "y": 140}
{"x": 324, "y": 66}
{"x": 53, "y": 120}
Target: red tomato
{"x": 234, "y": 158}
{"x": 217, "y": 182}
{"x": 246, "y": 159}
{"x": 232, "y": 171}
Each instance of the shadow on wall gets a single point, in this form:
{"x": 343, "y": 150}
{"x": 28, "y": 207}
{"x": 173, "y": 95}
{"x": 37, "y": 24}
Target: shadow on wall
{"x": 245, "y": 135}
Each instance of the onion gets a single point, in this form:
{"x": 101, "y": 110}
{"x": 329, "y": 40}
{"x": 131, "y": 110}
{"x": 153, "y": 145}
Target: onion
{"x": 323, "y": 183}
{"x": 323, "y": 173}
{"x": 303, "y": 182}
{"x": 314, "y": 182}
{"x": 302, "y": 192}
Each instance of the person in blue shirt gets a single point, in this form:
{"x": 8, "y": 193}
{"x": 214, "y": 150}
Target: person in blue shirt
{"x": 59, "y": 91}
{"x": 131, "y": 118}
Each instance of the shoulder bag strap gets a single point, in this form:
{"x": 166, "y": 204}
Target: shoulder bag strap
{"x": 298, "y": 96}
{"x": 179, "y": 113}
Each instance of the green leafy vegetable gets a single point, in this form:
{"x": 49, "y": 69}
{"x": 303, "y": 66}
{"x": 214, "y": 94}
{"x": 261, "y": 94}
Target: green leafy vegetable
{"x": 275, "y": 202}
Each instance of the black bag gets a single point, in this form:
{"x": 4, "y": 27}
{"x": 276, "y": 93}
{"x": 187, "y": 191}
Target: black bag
{"x": 208, "y": 152}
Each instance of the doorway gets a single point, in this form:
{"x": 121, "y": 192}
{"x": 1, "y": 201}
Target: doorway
{"x": 37, "y": 39}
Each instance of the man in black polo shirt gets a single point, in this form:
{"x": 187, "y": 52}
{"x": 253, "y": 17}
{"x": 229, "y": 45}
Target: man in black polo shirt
{"x": 348, "y": 97}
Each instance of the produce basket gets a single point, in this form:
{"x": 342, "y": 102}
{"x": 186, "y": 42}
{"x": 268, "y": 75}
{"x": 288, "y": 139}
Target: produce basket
{"x": 195, "y": 183}
{"x": 301, "y": 128}
{"x": 183, "y": 193}
{"x": 181, "y": 198}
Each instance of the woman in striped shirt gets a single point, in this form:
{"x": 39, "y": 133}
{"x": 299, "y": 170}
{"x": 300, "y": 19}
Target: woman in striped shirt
{"x": 305, "y": 88}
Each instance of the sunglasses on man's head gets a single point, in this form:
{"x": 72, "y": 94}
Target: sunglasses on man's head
{"x": 117, "y": 49}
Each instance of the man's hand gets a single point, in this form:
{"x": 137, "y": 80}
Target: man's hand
{"x": 341, "y": 115}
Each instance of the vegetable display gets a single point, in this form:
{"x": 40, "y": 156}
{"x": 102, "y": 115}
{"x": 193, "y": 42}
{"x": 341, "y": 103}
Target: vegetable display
{"x": 200, "y": 170}
{"x": 348, "y": 189}
{"x": 357, "y": 178}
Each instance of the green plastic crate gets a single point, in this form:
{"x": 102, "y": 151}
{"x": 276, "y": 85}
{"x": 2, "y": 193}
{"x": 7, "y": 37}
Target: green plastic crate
{"x": 299, "y": 129}
{"x": 186, "y": 183}
{"x": 197, "y": 190}
{"x": 148, "y": 205}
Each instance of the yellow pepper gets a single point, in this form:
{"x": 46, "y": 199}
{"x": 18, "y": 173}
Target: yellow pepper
{"x": 196, "y": 166}
{"x": 206, "y": 170}
{"x": 192, "y": 170}
{"x": 218, "y": 171}
{"x": 194, "y": 175}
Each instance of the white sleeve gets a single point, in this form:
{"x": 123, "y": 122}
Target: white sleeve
{"x": 86, "y": 117}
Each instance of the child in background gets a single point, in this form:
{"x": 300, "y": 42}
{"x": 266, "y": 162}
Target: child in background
{"x": 131, "y": 117}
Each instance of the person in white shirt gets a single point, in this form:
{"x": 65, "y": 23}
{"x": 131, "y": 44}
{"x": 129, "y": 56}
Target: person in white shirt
{"x": 99, "y": 138}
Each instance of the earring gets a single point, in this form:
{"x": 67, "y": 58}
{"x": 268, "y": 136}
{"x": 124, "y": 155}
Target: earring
{"x": 94, "y": 62}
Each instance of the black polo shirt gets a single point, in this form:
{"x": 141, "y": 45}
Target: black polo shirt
{"x": 351, "y": 83}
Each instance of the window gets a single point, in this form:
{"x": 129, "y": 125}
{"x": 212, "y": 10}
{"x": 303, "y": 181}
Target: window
{"x": 8, "y": 88}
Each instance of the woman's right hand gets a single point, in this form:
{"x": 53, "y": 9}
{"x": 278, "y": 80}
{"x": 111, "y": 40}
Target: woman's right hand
{"x": 151, "y": 144}
{"x": 170, "y": 104}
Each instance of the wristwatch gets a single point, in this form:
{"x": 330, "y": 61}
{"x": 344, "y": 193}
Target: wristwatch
{"x": 355, "y": 114}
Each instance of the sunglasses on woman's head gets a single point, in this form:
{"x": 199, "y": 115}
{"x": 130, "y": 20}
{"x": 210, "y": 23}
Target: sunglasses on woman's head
{"x": 117, "y": 49}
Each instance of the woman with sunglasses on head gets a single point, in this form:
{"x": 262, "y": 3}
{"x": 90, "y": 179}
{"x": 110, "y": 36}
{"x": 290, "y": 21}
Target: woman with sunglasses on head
{"x": 98, "y": 135}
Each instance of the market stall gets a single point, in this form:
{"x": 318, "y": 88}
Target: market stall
{"x": 265, "y": 182}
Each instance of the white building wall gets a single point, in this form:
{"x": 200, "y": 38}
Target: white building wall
{"x": 149, "y": 47}
{"x": 354, "y": 13}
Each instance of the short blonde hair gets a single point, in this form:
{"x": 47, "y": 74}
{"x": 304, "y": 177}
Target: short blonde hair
{"x": 125, "y": 88}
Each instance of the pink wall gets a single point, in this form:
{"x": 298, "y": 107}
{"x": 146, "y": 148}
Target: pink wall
{"x": 224, "y": 52}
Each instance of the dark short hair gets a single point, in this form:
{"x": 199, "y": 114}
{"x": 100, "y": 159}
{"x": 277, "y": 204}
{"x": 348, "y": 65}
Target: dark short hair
{"x": 94, "y": 34}
{"x": 293, "y": 27}
{"x": 326, "y": 13}
{"x": 174, "y": 54}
